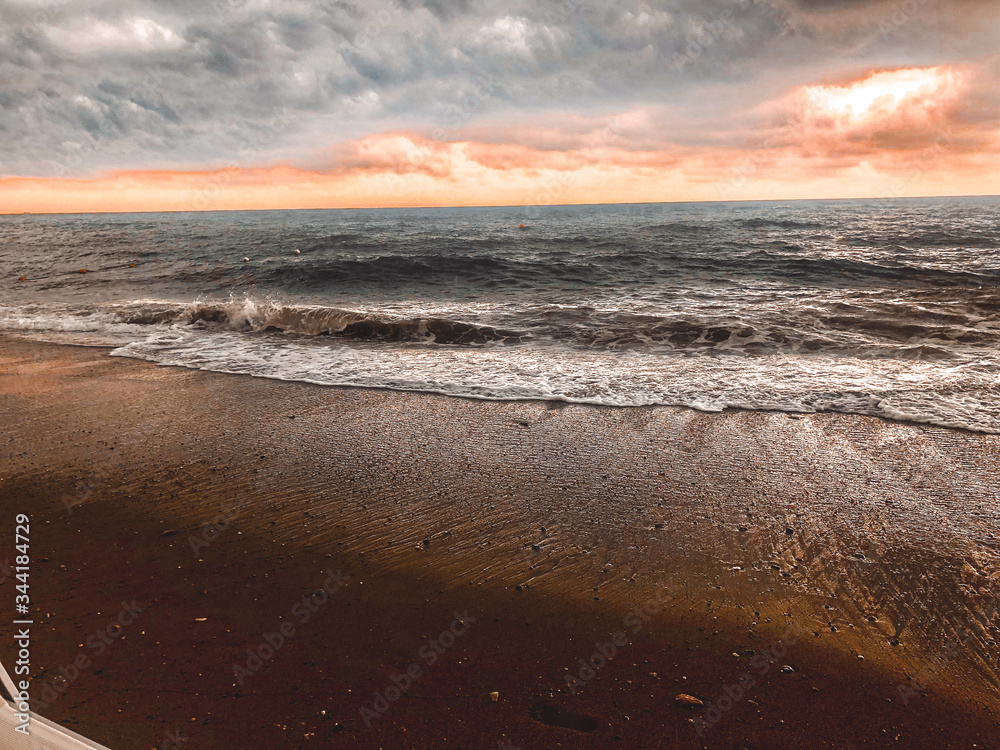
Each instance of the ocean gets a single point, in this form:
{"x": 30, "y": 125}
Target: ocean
{"x": 885, "y": 307}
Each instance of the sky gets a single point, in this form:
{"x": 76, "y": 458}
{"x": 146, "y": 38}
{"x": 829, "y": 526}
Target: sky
{"x": 180, "y": 105}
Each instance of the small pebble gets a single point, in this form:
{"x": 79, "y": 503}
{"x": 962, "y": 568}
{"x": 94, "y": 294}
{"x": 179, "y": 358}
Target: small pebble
{"x": 683, "y": 699}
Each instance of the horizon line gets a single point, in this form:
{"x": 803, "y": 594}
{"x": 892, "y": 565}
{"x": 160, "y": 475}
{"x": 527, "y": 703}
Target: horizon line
{"x": 497, "y": 205}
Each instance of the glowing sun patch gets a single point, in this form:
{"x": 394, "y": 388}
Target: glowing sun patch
{"x": 884, "y": 90}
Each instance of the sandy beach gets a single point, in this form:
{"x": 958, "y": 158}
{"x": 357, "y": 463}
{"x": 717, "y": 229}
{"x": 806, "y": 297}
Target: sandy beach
{"x": 244, "y": 562}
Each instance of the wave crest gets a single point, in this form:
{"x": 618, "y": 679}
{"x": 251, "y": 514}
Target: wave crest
{"x": 248, "y": 314}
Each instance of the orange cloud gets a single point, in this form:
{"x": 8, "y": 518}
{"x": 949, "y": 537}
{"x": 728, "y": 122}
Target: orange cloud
{"x": 898, "y": 110}
{"x": 915, "y": 131}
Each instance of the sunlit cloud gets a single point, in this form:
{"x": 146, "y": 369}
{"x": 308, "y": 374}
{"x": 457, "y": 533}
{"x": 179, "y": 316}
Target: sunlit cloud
{"x": 884, "y": 92}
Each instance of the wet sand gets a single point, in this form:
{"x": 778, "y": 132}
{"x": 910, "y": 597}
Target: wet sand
{"x": 703, "y": 540}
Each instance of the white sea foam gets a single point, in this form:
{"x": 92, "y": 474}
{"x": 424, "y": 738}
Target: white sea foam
{"x": 248, "y": 337}
{"x": 962, "y": 396}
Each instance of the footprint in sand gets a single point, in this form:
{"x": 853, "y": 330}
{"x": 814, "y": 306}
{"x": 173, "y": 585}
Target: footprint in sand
{"x": 552, "y": 715}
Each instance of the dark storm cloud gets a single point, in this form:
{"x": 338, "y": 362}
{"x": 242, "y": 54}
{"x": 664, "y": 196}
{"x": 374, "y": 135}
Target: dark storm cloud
{"x": 828, "y": 5}
{"x": 86, "y": 87}
{"x": 836, "y": 5}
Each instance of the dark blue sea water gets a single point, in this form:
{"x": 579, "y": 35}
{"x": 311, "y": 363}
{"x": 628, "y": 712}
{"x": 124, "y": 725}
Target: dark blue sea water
{"x": 888, "y": 307}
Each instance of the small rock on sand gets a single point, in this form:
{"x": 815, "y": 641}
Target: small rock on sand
{"x": 683, "y": 699}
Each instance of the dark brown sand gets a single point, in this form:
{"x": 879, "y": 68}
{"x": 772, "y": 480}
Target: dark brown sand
{"x": 544, "y": 526}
